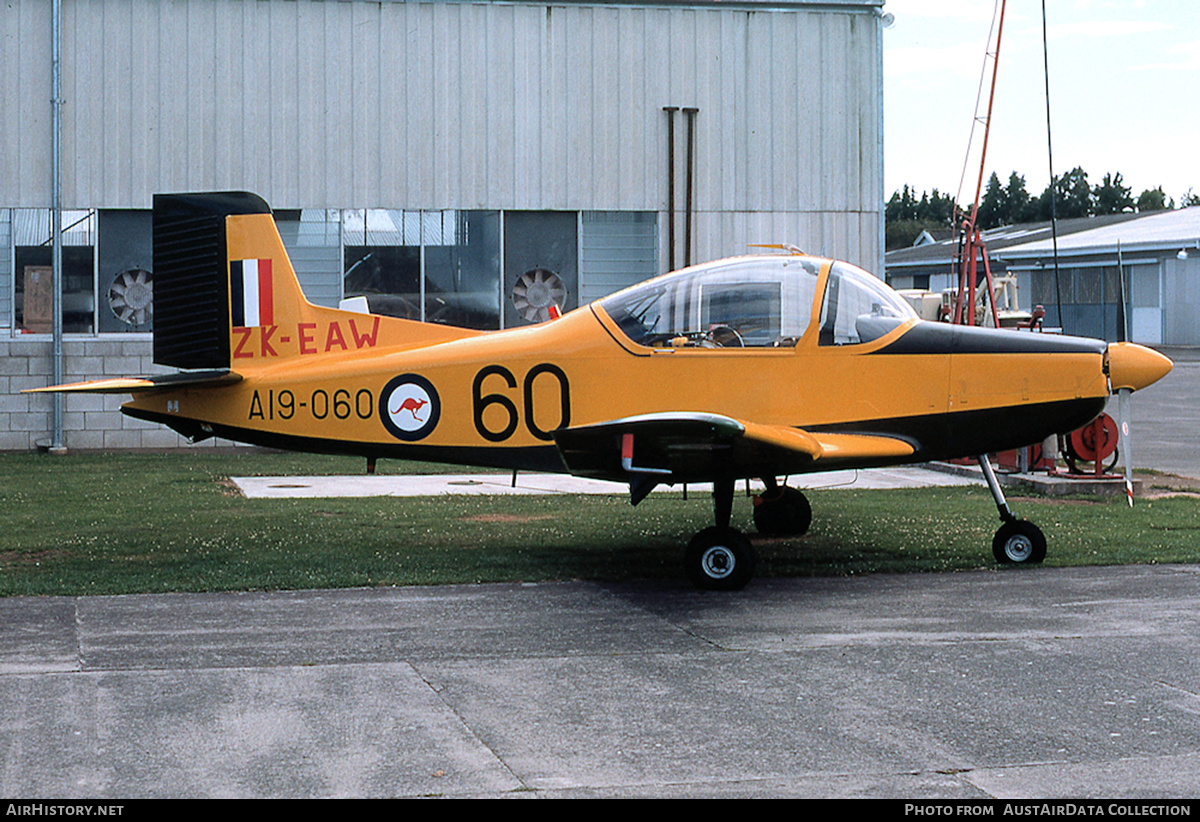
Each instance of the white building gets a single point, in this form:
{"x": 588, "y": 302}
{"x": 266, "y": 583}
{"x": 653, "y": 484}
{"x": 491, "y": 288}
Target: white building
{"x": 1159, "y": 253}
{"x": 1160, "y": 256}
{"x": 426, "y": 154}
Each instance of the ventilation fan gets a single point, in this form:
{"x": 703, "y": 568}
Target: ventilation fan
{"x": 535, "y": 292}
{"x": 131, "y": 296}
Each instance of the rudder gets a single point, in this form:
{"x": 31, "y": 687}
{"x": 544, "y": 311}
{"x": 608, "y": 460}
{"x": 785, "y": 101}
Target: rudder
{"x": 219, "y": 265}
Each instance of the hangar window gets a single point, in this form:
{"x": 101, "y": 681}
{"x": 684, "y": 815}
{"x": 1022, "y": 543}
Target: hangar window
{"x": 32, "y": 283}
{"x": 436, "y": 266}
{"x": 382, "y": 255}
{"x": 125, "y": 265}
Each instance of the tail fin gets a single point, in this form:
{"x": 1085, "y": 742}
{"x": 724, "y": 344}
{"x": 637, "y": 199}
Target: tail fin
{"x": 226, "y": 295}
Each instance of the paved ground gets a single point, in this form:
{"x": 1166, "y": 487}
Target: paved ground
{"x": 1039, "y": 683}
{"x": 1166, "y": 417}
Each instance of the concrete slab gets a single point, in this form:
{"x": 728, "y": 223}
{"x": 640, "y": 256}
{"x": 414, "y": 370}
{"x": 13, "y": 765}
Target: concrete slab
{"x": 412, "y": 485}
{"x": 1051, "y": 485}
{"x": 1026, "y": 683}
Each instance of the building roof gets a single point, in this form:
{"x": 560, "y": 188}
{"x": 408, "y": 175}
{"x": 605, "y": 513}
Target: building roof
{"x": 1004, "y": 238}
{"x": 1161, "y": 230}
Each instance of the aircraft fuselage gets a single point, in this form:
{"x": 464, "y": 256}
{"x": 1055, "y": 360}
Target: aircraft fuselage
{"x": 494, "y": 399}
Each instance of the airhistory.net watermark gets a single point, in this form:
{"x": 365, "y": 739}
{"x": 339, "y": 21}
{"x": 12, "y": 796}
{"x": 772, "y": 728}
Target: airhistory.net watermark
{"x": 50, "y": 809}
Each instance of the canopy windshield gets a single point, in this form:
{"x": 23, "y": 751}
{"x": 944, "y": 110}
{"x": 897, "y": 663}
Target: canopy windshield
{"x": 752, "y": 302}
{"x": 859, "y": 308}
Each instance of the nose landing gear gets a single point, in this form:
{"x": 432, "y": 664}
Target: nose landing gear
{"x": 1018, "y": 542}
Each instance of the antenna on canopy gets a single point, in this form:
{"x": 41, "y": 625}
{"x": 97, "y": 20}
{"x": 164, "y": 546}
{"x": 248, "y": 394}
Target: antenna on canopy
{"x": 788, "y": 247}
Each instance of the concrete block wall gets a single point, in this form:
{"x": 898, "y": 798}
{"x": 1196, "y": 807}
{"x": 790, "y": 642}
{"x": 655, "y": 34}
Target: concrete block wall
{"x": 91, "y": 422}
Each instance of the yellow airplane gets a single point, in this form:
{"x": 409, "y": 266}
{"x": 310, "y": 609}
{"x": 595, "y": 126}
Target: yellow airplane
{"x": 758, "y": 367}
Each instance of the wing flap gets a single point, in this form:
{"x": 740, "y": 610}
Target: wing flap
{"x": 864, "y": 447}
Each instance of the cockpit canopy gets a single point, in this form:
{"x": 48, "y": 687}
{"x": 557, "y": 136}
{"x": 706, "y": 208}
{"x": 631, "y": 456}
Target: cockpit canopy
{"x": 757, "y": 302}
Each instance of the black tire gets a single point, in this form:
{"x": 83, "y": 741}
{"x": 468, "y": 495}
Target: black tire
{"x": 720, "y": 559}
{"x": 784, "y": 513}
{"x": 1019, "y": 543}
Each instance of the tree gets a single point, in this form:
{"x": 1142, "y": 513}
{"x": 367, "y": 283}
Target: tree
{"x": 906, "y": 216}
{"x": 1072, "y": 198}
{"x": 993, "y": 206}
{"x": 1111, "y": 197}
{"x": 902, "y": 207}
{"x": 1153, "y": 199}
{"x": 936, "y": 207}
{"x": 1075, "y": 195}
{"x": 1004, "y": 205}
{"x": 1019, "y": 202}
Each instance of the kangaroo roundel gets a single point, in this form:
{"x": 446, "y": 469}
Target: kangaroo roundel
{"x": 409, "y": 407}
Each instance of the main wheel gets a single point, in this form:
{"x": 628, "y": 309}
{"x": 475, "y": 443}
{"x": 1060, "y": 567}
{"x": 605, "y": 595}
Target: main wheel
{"x": 720, "y": 559}
{"x": 785, "y": 512}
{"x": 1019, "y": 543}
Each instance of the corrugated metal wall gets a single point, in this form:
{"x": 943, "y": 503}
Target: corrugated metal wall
{"x": 315, "y": 103}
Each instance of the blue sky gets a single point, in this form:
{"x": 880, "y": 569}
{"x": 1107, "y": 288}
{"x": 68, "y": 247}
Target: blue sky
{"x": 1124, "y": 93}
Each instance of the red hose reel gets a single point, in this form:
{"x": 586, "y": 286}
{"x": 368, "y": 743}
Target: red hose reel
{"x": 1094, "y": 443}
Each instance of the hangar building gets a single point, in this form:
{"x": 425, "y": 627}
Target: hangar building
{"x": 434, "y": 157}
{"x": 1159, "y": 253}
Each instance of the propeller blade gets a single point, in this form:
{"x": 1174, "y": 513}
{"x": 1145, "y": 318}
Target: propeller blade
{"x": 1123, "y": 406}
{"x": 1123, "y": 394}
{"x": 1122, "y": 319}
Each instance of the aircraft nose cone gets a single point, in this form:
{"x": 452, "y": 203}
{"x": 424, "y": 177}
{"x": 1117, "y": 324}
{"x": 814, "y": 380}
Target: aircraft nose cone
{"x": 1134, "y": 366}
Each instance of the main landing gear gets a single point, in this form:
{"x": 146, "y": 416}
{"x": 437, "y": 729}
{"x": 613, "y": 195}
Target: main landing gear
{"x": 720, "y": 558}
{"x": 1018, "y": 542}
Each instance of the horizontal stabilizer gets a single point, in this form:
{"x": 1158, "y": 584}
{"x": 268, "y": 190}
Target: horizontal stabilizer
{"x": 138, "y": 385}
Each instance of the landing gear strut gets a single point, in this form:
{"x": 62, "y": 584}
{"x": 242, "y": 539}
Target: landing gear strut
{"x": 1018, "y": 542}
{"x": 720, "y": 558}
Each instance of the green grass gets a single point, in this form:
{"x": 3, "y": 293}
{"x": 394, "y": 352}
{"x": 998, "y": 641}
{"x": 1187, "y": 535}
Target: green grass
{"x": 128, "y": 523}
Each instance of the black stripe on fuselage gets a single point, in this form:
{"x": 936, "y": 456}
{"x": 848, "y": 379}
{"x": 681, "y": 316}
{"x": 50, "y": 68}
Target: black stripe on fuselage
{"x": 535, "y": 458}
{"x": 944, "y": 338}
{"x": 984, "y": 431}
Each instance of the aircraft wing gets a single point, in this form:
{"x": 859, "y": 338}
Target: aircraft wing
{"x": 650, "y": 449}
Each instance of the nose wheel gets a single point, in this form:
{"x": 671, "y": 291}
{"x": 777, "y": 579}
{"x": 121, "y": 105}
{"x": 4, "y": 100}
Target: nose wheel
{"x": 1019, "y": 543}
